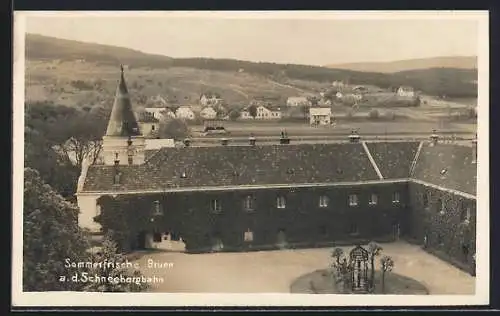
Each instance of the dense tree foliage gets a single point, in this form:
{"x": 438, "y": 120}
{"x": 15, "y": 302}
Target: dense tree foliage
{"x": 58, "y": 139}
{"x": 53, "y": 242}
{"x": 173, "y": 128}
{"x": 50, "y": 235}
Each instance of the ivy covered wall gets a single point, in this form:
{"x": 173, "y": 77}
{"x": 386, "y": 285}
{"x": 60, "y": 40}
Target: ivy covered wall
{"x": 444, "y": 223}
{"x": 191, "y": 215}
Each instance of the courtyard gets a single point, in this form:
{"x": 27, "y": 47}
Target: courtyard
{"x": 275, "y": 271}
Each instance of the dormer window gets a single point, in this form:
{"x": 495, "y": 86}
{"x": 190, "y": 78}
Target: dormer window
{"x": 373, "y": 199}
{"x": 443, "y": 172}
{"x": 323, "y": 201}
{"x": 280, "y": 202}
{"x": 465, "y": 214}
{"x": 396, "y": 197}
{"x": 215, "y": 206}
{"x": 183, "y": 175}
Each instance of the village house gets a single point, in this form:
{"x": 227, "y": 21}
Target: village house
{"x": 185, "y": 112}
{"x": 259, "y": 196}
{"x": 210, "y": 99}
{"x": 406, "y": 92}
{"x": 157, "y": 112}
{"x": 263, "y": 113}
{"x": 208, "y": 113}
{"x": 338, "y": 84}
{"x": 298, "y": 101}
{"x": 320, "y": 115}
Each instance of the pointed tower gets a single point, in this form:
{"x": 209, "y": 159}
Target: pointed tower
{"x": 123, "y": 143}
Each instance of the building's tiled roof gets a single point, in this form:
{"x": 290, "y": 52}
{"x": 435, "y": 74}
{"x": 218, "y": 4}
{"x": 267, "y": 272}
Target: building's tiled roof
{"x": 393, "y": 159}
{"x": 447, "y": 165}
{"x": 238, "y": 165}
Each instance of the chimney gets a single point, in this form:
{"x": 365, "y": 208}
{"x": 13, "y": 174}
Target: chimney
{"x": 224, "y": 141}
{"x": 474, "y": 149}
{"x": 252, "y": 140}
{"x": 354, "y": 137}
{"x": 434, "y": 138}
{"x": 284, "y": 139}
{"x": 187, "y": 142}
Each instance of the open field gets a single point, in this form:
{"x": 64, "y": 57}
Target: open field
{"x": 274, "y": 271}
{"x": 342, "y": 128}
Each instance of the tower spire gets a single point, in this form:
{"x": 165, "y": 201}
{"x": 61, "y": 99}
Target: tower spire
{"x": 122, "y": 120}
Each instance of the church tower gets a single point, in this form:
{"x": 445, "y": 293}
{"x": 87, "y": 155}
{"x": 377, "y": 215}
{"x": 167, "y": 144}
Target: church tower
{"x": 123, "y": 143}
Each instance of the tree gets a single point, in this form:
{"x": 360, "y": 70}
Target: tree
{"x": 387, "y": 264}
{"x": 373, "y": 250}
{"x": 417, "y": 101}
{"x": 173, "y": 128}
{"x": 109, "y": 253}
{"x": 234, "y": 115}
{"x": 50, "y": 236}
{"x": 252, "y": 110}
{"x": 304, "y": 109}
{"x": 337, "y": 253}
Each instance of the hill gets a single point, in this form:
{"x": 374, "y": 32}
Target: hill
{"x": 243, "y": 78}
{"x": 458, "y": 62}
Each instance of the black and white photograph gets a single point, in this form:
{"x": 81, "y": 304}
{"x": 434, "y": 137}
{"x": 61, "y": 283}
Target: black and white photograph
{"x": 211, "y": 158}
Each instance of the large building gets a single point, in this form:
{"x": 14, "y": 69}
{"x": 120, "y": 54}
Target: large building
{"x": 242, "y": 197}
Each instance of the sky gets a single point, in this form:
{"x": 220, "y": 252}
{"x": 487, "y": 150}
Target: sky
{"x": 313, "y": 39}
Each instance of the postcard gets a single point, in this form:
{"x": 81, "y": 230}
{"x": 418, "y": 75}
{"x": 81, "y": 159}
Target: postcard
{"x": 268, "y": 158}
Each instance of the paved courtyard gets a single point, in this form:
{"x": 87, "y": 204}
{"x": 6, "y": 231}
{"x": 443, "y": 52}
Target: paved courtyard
{"x": 274, "y": 271}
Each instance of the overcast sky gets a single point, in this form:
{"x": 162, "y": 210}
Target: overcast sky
{"x": 283, "y": 40}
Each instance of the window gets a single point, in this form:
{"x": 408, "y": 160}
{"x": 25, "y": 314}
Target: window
{"x": 395, "y": 197}
{"x": 425, "y": 200}
{"x": 248, "y": 203}
{"x": 215, "y": 206}
{"x": 442, "y": 206}
{"x": 117, "y": 178}
{"x": 353, "y": 229}
{"x": 157, "y": 211}
{"x": 373, "y": 199}
{"x": 280, "y": 202}
{"x": 323, "y": 201}
{"x": 248, "y": 236}
{"x": 130, "y": 160}
{"x": 157, "y": 237}
{"x": 353, "y": 200}
{"x": 152, "y": 128}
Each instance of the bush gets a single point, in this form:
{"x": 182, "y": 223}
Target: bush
{"x": 374, "y": 114}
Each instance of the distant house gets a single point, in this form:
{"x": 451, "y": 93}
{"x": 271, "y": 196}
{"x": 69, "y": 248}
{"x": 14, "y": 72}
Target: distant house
{"x": 338, "y": 84}
{"x": 298, "y": 101}
{"x": 210, "y": 99}
{"x": 359, "y": 89}
{"x": 263, "y": 113}
{"x": 339, "y": 95}
{"x": 185, "y": 112}
{"x": 324, "y": 102}
{"x": 148, "y": 124}
{"x": 320, "y": 115}
{"x": 405, "y": 91}
{"x": 353, "y": 97}
{"x": 157, "y": 112}
{"x": 208, "y": 113}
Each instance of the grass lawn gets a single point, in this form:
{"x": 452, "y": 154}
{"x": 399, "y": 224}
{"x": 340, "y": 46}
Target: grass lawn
{"x": 321, "y": 282}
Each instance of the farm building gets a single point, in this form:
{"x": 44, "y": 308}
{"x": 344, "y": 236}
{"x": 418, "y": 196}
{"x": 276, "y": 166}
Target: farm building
{"x": 263, "y": 113}
{"x": 298, "y": 101}
{"x": 320, "y": 115}
{"x": 240, "y": 197}
{"x": 406, "y": 92}
{"x": 185, "y": 112}
{"x": 208, "y": 113}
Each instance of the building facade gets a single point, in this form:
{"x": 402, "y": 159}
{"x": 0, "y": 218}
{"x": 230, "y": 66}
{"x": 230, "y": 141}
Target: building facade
{"x": 250, "y": 197}
{"x": 320, "y": 115}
